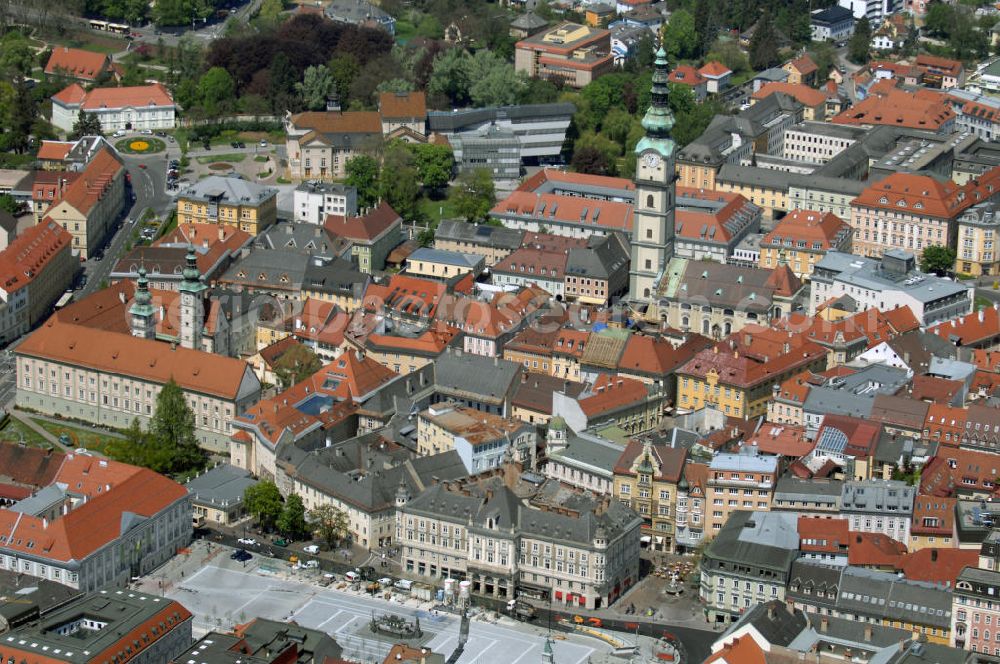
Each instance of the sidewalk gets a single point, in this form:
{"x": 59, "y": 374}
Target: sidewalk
{"x": 28, "y": 422}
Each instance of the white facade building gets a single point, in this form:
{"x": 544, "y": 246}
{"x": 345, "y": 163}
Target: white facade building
{"x": 118, "y": 109}
{"x": 314, "y": 200}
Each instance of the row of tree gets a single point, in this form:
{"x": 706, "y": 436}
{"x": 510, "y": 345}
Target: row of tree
{"x": 289, "y": 516}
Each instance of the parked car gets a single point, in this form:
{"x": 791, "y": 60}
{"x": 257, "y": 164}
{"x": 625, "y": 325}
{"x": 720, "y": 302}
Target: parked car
{"x": 234, "y": 145}
{"x": 403, "y": 584}
{"x": 248, "y": 541}
{"x": 263, "y": 143}
{"x": 281, "y": 541}
{"x": 352, "y": 577}
{"x": 241, "y": 145}
{"x": 242, "y": 555}
{"x": 311, "y": 548}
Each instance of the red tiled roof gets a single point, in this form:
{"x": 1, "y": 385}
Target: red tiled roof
{"x": 935, "y": 389}
{"x": 121, "y": 353}
{"x": 84, "y": 192}
{"x": 611, "y": 393}
{"x": 823, "y": 535}
{"x": 113, "y": 489}
{"x": 30, "y": 252}
{"x": 804, "y": 65}
{"x": 546, "y": 208}
{"x": 669, "y": 460}
{"x": 862, "y": 435}
{"x": 933, "y": 516}
{"x": 810, "y": 227}
{"x": 783, "y": 440}
{"x": 76, "y": 63}
{"x": 803, "y": 94}
{"x": 970, "y": 329}
{"x": 744, "y": 650}
{"x": 897, "y": 108}
{"x": 28, "y": 466}
{"x": 937, "y": 565}
{"x": 714, "y": 69}
{"x": 944, "y": 424}
{"x": 54, "y": 150}
{"x": 405, "y": 105}
{"x": 130, "y": 97}
{"x": 954, "y": 470}
{"x": 656, "y": 356}
{"x": 901, "y": 319}
{"x": 752, "y": 356}
{"x": 926, "y": 196}
{"x": 570, "y": 342}
{"x": 686, "y": 75}
{"x": 406, "y": 294}
{"x": 363, "y": 227}
{"x": 556, "y": 175}
{"x": 939, "y": 64}
{"x": 874, "y": 550}
{"x": 529, "y": 262}
{"x": 71, "y": 94}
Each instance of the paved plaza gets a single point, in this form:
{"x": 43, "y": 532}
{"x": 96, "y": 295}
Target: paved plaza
{"x": 220, "y": 595}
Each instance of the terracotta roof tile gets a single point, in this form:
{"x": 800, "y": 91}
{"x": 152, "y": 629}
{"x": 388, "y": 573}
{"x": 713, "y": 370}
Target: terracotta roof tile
{"x": 95, "y": 182}
{"x": 28, "y": 255}
{"x": 970, "y": 329}
{"x": 77, "y": 63}
{"x": 330, "y": 122}
{"x": 669, "y": 460}
{"x": 938, "y": 565}
{"x": 823, "y": 535}
{"x": 395, "y": 105}
{"x": 555, "y": 207}
{"x": 54, "y": 150}
{"x": 686, "y": 75}
{"x": 926, "y": 196}
{"x": 714, "y": 68}
{"x": 611, "y": 393}
{"x": 900, "y": 109}
{"x": 363, "y": 227}
{"x": 825, "y": 229}
{"x": 803, "y": 94}
{"x": 804, "y": 65}
{"x": 874, "y": 550}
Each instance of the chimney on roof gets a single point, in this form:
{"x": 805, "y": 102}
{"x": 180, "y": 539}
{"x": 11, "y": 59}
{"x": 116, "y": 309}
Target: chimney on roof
{"x": 790, "y": 605}
{"x": 868, "y": 633}
{"x": 824, "y": 625}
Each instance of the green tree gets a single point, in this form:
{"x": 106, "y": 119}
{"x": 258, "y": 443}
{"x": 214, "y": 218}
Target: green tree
{"x": 434, "y": 163}
{"x": 330, "y": 524}
{"x": 16, "y": 55}
{"x": 395, "y": 85}
{"x": 295, "y": 365}
{"x": 263, "y": 501}
{"x": 281, "y": 89}
{"x": 616, "y": 125}
{"x": 87, "y": 124}
{"x": 8, "y": 204}
{"x": 729, "y": 53}
{"x": 474, "y": 194}
{"x": 939, "y": 19}
{"x": 344, "y": 69}
{"x": 22, "y": 115}
{"x": 430, "y": 28}
{"x": 363, "y": 174}
{"x": 938, "y": 259}
{"x": 316, "y": 86}
{"x": 216, "y": 90}
{"x": 292, "y": 520}
{"x": 493, "y": 81}
{"x": 172, "y": 428}
{"x": 270, "y": 11}
{"x": 399, "y": 182}
{"x": 450, "y": 76}
{"x": 680, "y": 37}
{"x": 859, "y": 47}
{"x": 764, "y": 43}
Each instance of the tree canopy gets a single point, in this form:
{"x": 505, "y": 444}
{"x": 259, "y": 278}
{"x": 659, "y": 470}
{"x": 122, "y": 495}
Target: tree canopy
{"x": 329, "y": 524}
{"x": 87, "y": 124}
{"x": 295, "y": 365}
{"x": 474, "y": 194}
{"x": 292, "y": 520}
{"x": 938, "y": 259}
{"x": 363, "y": 174}
{"x": 263, "y": 501}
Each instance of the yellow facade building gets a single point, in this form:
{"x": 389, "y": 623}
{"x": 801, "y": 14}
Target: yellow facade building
{"x": 645, "y": 479}
{"x": 228, "y": 201}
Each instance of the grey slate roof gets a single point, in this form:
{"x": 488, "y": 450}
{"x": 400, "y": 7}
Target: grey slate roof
{"x": 223, "y": 485}
{"x": 854, "y": 395}
{"x": 488, "y": 236}
{"x": 602, "y": 258}
{"x": 229, "y": 189}
{"x": 474, "y": 376}
{"x": 877, "y": 497}
{"x": 308, "y": 238}
{"x": 334, "y": 276}
{"x": 794, "y": 488}
{"x": 766, "y": 539}
{"x": 507, "y": 509}
{"x": 720, "y": 285}
{"x": 464, "y": 119}
{"x": 448, "y": 257}
{"x": 774, "y": 622}
{"x": 283, "y": 269}
{"x": 590, "y": 451}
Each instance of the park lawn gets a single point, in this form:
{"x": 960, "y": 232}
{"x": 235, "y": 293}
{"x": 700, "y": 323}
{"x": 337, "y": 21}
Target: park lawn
{"x": 981, "y": 302}
{"x": 98, "y": 45}
{"x": 79, "y": 437}
{"x": 30, "y": 437}
{"x": 214, "y": 158}
{"x": 435, "y": 211}
{"x": 260, "y": 158}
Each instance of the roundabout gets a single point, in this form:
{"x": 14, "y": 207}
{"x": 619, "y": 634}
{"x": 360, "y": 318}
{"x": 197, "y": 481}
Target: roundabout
{"x": 140, "y": 145}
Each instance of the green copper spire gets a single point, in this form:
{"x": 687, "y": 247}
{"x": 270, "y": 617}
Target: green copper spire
{"x": 192, "y": 277}
{"x": 659, "y": 120}
{"x": 143, "y": 300}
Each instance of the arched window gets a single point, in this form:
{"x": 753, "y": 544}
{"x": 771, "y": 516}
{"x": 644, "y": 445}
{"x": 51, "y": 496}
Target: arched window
{"x": 685, "y": 321}
{"x": 649, "y": 201}
{"x": 645, "y": 292}
{"x": 704, "y": 326}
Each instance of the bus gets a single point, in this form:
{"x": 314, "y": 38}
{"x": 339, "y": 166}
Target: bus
{"x": 117, "y": 28}
{"x": 66, "y": 298}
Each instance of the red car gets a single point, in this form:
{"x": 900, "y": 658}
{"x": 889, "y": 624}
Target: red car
{"x": 142, "y": 166}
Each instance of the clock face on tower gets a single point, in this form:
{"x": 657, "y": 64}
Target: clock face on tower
{"x": 651, "y": 159}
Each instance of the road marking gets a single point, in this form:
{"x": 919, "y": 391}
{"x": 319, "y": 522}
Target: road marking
{"x": 320, "y": 626}
{"x": 345, "y": 625}
{"x": 483, "y": 651}
{"x": 524, "y": 654}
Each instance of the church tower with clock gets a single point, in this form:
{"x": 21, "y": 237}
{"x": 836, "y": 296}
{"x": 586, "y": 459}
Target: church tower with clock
{"x": 653, "y": 216}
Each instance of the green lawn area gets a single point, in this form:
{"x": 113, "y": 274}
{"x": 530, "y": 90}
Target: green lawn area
{"x": 79, "y": 437}
{"x": 214, "y": 158}
{"x": 102, "y": 46}
{"x": 405, "y": 31}
{"x": 981, "y": 302}
{"x": 15, "y": 432}
{"x": 260, "y": 158}
{"x": 435, "y": 211}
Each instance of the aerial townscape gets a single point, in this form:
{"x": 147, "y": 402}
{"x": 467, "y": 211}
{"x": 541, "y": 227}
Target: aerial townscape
{"x": 514, "y": 332}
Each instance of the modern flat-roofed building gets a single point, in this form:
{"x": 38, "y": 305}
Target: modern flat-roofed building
{"x": 889, "y": 283}
{"x": 540, "y": 129}
{"x": 752, "y": 475}
{"x": 834, "y": 23}
{"x": 100, "y": 626}
{"x": 574, "y": 53}
{"x": 314, "y": 200}
{"x": 231, "y": 201}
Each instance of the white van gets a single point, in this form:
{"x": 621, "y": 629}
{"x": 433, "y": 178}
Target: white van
{"x": 403, "y": 584}
{"x": 352, "y": 577}
{"x": 312, "y": 548}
